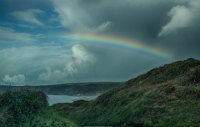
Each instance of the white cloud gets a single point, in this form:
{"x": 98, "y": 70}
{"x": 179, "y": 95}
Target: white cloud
{"x": 80, "y": 58}
{"x": 101, "y": 28}
{"x": 14, "y": 80}
{"x": 29, "y": 16}
{"x": 12, "y": 35}
{"x": 181, "y": 17}
{"x": 81, "y": 55}
{"x": 45, "y": 64}
{"x": 74, "y": 17}
{"x": 34, "y": 57}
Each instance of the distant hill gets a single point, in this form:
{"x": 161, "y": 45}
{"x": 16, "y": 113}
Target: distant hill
{"x": 168, "y": 96}
{"x": 72, "y": 89}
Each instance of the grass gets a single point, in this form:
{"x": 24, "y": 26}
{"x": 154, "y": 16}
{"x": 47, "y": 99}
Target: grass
{"x": 164, "y": 97}
{"x": 156, "y": 107}
{"x": 49, "y": 118}
{"x": 182, "y": 114}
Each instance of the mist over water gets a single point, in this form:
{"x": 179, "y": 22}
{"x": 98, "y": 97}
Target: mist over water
{"x": 54, "y": 99}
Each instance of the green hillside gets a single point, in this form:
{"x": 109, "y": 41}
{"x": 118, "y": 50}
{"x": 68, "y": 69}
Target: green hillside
{"x": 163, "y": 97}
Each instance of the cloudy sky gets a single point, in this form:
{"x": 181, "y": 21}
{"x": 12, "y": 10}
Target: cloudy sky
{"x": 35, "y": 48}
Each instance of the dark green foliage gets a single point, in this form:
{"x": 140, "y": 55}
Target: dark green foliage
{"x": 27, "y": 108}
{"x": 19, "y": 105}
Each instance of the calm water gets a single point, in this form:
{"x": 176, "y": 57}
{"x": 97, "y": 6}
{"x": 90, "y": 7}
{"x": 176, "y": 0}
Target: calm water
{"x": 54, "y": 99}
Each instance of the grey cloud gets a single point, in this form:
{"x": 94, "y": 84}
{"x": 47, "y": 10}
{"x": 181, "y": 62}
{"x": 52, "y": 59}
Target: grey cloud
{"x": 135, "y": 19}
{"x": 80, "y": 59}
{"x": 101, "y": 28}
{"x": 14, "y": 80}
{"x": 76, "y": 18}
{"x": 71, "y": 15}
{"x": 117, "y": 64}
{"x": 44, "y": 64}
{"x": 29, "y": 16}
{"x": 11, "y": 35}
{"x": 144, "y": 20}
{"x": 141, "y": 20}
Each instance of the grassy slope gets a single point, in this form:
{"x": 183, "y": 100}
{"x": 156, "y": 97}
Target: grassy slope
{"x": 26, "y": 108}
{"x": 165, "y": 96}
{"x": 49, "y": 118}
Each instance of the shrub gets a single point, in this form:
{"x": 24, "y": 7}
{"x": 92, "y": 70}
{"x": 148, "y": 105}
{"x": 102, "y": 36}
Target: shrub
{"x": 17, "y": 106}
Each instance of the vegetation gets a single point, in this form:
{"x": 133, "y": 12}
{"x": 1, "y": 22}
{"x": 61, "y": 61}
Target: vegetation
{"x": 27, "y": 108}
{"x": 49, "y": 118}
{"x": 165, "y": 96}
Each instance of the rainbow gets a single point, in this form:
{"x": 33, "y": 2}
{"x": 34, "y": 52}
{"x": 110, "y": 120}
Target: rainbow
{"x": 121, "y": 42}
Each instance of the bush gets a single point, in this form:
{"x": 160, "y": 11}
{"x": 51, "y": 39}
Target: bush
{"x": 18, "y": 106}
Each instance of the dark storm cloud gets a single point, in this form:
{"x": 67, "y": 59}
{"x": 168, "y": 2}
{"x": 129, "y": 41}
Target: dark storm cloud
{"x": 132, "y": 18}
{"x": 172, "y": 25}
{"x": 22, "y": 4}
{"x": 144, "y": 20}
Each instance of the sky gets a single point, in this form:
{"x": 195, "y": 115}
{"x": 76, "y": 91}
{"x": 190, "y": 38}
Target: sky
{"x": 63, "y": 41}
